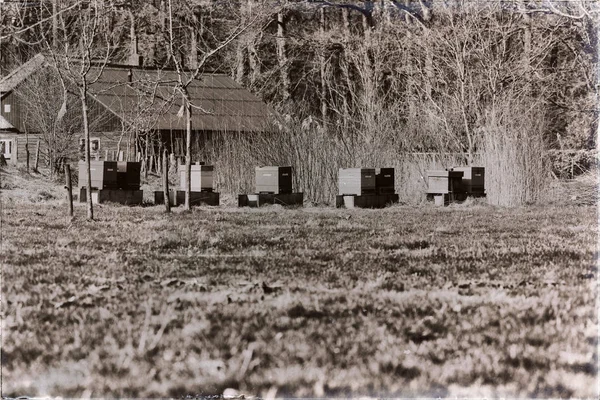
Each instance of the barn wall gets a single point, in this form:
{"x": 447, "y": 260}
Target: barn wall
{"x": 108, "y": 143}
{"x": 175, "y": 141}
{"x": 19, "y": 151}
{"x": 21, "y": 142}
{"x": 14, "y": 116}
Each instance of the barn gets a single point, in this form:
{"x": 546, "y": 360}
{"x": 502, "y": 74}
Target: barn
{"x": 135, "y": 112}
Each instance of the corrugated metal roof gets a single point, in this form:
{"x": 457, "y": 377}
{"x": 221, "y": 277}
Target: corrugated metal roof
{"x": 219, "y": 102}
{"x": 17, "y": 76}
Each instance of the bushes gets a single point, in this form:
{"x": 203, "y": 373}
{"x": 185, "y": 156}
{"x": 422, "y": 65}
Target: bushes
{"x": 513, "y": 154}
{"x": 517, "y": 170}
{"x": 508, "y": 140}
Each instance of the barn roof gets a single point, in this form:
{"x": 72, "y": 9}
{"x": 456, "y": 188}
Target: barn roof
{"x": 12, "y": 80}
{"x": 4, "y": 124}
{"x": 219, "y": 103}
{"x": 131, "y": 93}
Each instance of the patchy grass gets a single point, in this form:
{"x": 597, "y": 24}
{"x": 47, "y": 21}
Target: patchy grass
{"x": 461, "y": 301}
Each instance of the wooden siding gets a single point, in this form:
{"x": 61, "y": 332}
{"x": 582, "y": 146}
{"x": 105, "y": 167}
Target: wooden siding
{"x": 14, "y": 116}
{"x": 19, "y": 153}
{"x": 101, "y": 119}
{"x": 108, "y": 143}
{"x": 22, "y": 154}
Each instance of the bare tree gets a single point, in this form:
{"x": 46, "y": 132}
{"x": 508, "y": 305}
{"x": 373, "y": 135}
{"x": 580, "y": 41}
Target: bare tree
{"x": 84, "y": 49}
{"x": 185, "y": 77}
{"x": 51, "y": 110}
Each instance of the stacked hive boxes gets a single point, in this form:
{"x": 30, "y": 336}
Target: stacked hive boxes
{"x": 366, "y": 187}
{"x": 201, "y": 187}
{"x": 275, "y": 180}
{"x": 356, "y": 181}
{"x": 455, "y": 184}
{"x": 385, "y": 181}
{"x": 103, "y": 174}
{"x": 273, "y": 185}
{"x": 128, "y": 175}
{"x": 112, "y": 181}
{"x": 201, "y": 178}
{"x": 473, "y": 180}
{"x": 444, "y": 182}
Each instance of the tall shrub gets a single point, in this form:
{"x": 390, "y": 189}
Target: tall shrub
{"x": 514, "y": 153}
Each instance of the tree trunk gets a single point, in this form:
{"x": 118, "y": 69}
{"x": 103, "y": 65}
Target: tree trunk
{"x": 69, "y": 187}
{"x": 253, "y": 60}
{"x": 282, "y": 58}
{"x": 347, "y": 40}
{"x": 27, "y": 154}
{"x": 146, "y": 160}
{"x": 188, "y": 152}
{"x": 54, "y": 23}
{"x": 86, "y": 131}
{"x": 193, "y": 59}
{"x": 322, "y": 66}
{"x": 369, "y": 90}
{"x": 240, "y": 59}
{"x": 527, "y": 50}
{"x": 165, "y": 171}
{"x": 163, "y": 19}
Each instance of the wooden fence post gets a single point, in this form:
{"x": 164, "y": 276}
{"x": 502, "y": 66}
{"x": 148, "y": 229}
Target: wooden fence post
{"x": 37, "y": 156}
{"x": 165, "y": 173}
{"x": 69, "y": 187}
{"x": 27, "y": 155}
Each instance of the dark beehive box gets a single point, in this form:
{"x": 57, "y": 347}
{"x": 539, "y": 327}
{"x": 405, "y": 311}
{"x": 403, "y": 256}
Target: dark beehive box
{"x": 104, "y": 174}
{"x": 202, "y": 178}
{"x": 274, "y": 180}
{"x": 384, "y": 181}
{"x": 444, "y": 181}
{"x": 473, "y": 180}
{"x": 356, "y": 181}
{"x": 128, "y": 175}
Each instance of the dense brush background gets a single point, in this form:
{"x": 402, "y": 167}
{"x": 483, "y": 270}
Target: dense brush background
{"x": 409, "y": 84}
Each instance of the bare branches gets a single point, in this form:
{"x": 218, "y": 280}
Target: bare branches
{"x": 41, "y": 22}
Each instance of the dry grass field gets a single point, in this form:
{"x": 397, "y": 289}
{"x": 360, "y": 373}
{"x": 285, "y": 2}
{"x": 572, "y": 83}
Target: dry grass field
{"x": 467, "y": 300}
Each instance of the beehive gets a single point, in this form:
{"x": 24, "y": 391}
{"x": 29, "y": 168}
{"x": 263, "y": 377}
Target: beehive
{"x": 201, "y": 176}
{"x": 444, "y": 181}
{"x": 103, "y": 174}
{"x": 356, "y": 181}
{"x": 128, "y": 175}
{"x": 274, "y": 180}
{"x": 384, "y": 181}
{"x": 473, "y": 180}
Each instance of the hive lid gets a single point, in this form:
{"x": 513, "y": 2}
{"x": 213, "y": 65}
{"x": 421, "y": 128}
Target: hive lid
{"x": 445, "y": 173}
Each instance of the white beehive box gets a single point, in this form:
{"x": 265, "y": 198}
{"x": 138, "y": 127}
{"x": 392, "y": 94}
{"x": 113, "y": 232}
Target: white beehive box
{"x": 202, "y": 178}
